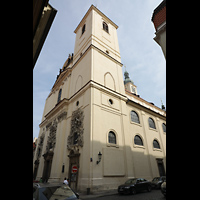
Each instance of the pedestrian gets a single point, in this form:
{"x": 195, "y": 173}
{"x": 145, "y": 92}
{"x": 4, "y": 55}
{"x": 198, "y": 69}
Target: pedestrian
{"x": 65, "y": 181}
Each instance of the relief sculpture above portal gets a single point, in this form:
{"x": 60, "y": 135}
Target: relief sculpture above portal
{"x": 75, "y": 138}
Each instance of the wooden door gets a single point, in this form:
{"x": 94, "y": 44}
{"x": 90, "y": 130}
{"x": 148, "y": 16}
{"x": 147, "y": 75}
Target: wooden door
{"x": 73, "y": 170}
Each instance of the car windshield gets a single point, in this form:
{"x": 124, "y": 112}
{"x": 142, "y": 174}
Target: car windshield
{"x": 55, "y": 192}
{"x": 131, "y": 181}
{"x": 156, "y": 179}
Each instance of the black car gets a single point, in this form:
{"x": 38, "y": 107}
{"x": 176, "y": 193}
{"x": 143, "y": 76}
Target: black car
{"x": 163, "y": 188}
{"x": 157, "y": 181}
{"x": 131, "y": 186}
{"x": 53, "y": 191}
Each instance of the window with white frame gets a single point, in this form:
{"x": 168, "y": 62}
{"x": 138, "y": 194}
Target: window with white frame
{"x": 135, "y": 117}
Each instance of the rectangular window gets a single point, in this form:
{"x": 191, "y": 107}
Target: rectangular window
{"x": 83, "y": 29}
{"x": 59, "y": 95}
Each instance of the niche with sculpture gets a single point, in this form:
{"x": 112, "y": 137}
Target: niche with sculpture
{"x": 75, "y": 137}
{"x": 51, "y": 142}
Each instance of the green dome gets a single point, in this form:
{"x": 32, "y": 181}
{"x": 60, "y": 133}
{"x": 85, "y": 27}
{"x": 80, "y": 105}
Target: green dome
{"x": 127, "y": 79}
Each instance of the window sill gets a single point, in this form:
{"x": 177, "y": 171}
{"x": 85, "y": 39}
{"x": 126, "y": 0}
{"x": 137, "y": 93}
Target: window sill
{"x": 164, "y": 133}
{"x": 138, "y": 146}
{"x": 112, "y": 145}
{"x": 106, "y": 31}
{"x": 153, "y": 129}
{"x": 156, "y": 149}
{"x": 136, "y": 123}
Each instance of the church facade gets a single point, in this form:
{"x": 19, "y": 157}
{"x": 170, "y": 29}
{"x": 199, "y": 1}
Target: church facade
{"x": 96, "y": 130}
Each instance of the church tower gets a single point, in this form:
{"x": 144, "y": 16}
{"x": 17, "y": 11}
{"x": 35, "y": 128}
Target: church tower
{"x": 97, "y": 51}
{"x": 97, "y": 66}
{"x": 93, "y": 129}
{"x": 129, "y": 84}
{"x": 84, "y": 112}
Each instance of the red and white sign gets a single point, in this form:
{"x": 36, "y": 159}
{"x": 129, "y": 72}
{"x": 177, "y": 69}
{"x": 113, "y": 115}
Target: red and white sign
{"x": 74, "y": 169}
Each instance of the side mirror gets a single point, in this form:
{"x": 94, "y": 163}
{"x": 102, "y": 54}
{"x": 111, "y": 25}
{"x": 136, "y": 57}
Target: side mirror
{"x": 77, "y": 195}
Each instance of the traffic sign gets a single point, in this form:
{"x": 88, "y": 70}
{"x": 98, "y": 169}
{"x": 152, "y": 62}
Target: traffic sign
{"x": 74, "y": 169}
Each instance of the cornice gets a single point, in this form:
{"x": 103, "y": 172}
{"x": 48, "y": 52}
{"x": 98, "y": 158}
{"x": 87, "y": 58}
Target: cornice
{"x": 61, "y": 77}
{"x": 92, "y": 7}
{"x": 100, "y": 51}
{"x": 108, "y": 56}
{"x": 57, "y": 107}
{"x": 55, "y": 110}
{"x": 142, "y": 107}
{"x": 108, "y": 90}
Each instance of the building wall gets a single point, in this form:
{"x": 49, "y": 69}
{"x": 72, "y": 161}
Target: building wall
{"x": 159, "y": 21}
{"x": 94, "y": 83}
{"x": 161, "y": 39}
{"x": 125, "y": 159}
{"x": 83, "y": 41}
{"x": 102, "y": 39}
{"x": 107, "y": 72}
{"x": 63, "y": 129}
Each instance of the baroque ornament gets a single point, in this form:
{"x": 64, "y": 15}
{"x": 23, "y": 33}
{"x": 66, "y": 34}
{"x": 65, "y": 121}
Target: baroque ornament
{"x": 40, "y": 146}
{"x": 75, "y": 137}
{"x": 51, "y": 142}
{"x": 62, "y": 116}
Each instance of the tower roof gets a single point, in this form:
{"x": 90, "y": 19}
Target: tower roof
{"x": 127, "y": 79}
{"x": 98, "y": 11}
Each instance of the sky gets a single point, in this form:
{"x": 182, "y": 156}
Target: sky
{"x": 141, "y": 55}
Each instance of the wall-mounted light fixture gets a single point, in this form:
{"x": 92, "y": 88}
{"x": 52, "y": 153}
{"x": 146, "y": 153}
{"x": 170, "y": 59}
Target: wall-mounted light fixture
{"x": 99, "y": 156}
{"x": 63, "y": 168}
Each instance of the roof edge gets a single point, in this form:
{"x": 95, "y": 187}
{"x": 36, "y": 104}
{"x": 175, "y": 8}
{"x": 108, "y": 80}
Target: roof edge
{"x": 92, "y": 7}
{"x": 158, "y": 8}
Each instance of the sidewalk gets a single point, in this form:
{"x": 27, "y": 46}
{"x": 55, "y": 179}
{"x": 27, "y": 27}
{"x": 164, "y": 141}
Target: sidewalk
{"x": 97, "y": 194}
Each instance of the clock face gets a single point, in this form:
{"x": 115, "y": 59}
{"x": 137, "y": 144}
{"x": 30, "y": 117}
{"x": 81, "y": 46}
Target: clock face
{"x": 133, "y": 89}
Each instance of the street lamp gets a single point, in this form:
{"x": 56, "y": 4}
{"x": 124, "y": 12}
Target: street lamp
{"x": 99, "y": 156}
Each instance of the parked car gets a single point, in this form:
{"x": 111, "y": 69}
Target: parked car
{"x": 47, "y": 191}
{"x": 131, "y": 186}
{"x": 157, "y": 181}
{"x": 163, "y": 188}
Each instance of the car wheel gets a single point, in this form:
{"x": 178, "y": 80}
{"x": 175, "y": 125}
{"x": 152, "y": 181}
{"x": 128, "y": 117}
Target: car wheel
{"x": 149, "y": 188}
{"x": 133, "y": 191}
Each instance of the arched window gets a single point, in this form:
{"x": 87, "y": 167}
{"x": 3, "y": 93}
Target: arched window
{"x": 59, "y": 95}
{"x": 156, "y": 144}
{"x": 83, "y": 29}
{"x": 105, "y": 27}
{"x": 134, "y": 117}
{"x": 112, "y": 137}
{"x": 151, "y": 123}
{"x": 138, "y": 140}
{"x": 164, "y": 127}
